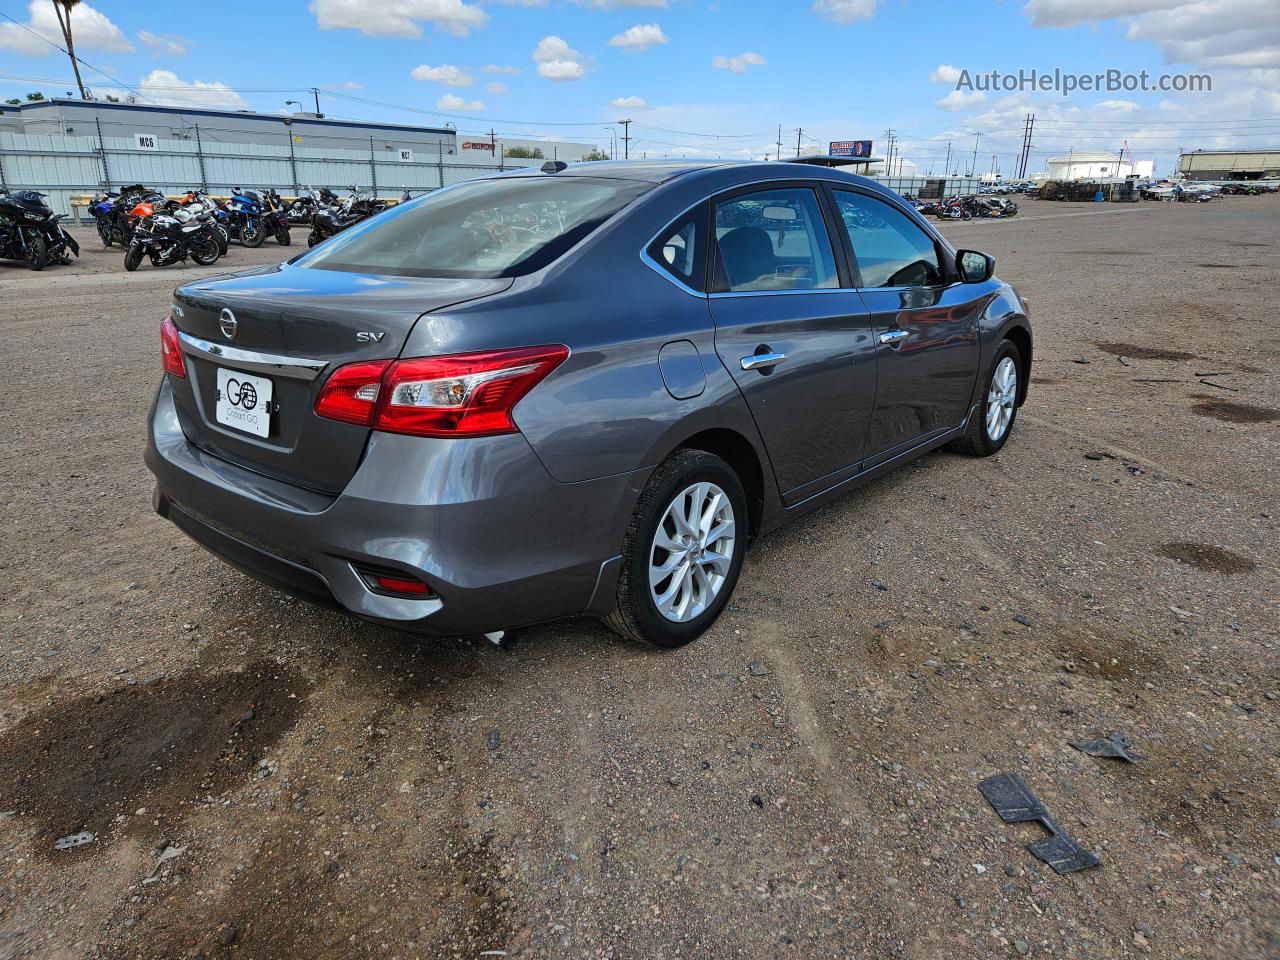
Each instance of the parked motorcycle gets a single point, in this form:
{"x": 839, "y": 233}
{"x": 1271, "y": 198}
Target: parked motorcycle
{"x": 196, "y": 202}
{"x": 244, "y": 217}
{"x": 304, "y": 208}
{"x": 333, "y": 219}
{"x": 30, "y": 231}
{"x": 167, "y": 239}
{"x": 111, "y": 212}
{"x": 275, "y": 219}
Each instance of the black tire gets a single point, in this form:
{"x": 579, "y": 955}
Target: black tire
{"x": 252, "y": 233}
{"x": 37, "y": 252}
{"x": 976, "y": 441}
{"x": 224, "y": 241}
{"x": 204, "y": 250}
{"x": 313, "y": 238}
{"x": 282, "y": 237}
{"x": 104, "y": 232}
{"x": 636, "y": 615}
{"x": 132, "y": 257}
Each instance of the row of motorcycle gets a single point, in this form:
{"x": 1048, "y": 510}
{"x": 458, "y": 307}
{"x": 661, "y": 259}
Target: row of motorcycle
{"x": 200, "y": 227}
{"x": 967, "y": 208}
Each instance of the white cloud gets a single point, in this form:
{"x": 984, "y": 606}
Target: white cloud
{"x": 945, "y": 73}
{"x": 1209, "y": 33}
{"x": 446, "y": 73}
{"x": 398, "y": 18}
{"x": 497, "y": 88}
{"x": 640, "y": 37}
{"x": 845, "y": 11}
{"x": 740, "y": 63}
{"x": 1119, "y": 106}
{"x": 557, "y": 60}
{"x": 164, "y": 86}
{"x": 500, "y": 68}
{"x": 960, "y": 100}
{"x": 1070, "y": 13}
{"x": 91, "y": 30}
{"x": 451, "y": 101}
{"x": 619, "y": 4}
{"x": 630, "y": 103}
{"x": 162, "y": 45}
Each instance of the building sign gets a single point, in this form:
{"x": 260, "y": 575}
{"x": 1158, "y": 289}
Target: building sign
{"x": 145, "y": 141}
{"x": 851, "y": 148}
{"x": 478, "y": 145}
{"x": 406, "y": 156}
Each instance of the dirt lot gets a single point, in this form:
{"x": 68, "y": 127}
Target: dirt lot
{"x": 799, "y": 783}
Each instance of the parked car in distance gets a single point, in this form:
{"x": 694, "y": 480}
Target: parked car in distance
{"x": 576, "y": 390}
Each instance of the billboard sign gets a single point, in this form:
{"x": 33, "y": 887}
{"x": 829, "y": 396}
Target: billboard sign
{"x": 851, "y": 148}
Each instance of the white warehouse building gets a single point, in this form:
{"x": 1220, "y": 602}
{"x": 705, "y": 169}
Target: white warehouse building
{"x": 1097, "y": 165}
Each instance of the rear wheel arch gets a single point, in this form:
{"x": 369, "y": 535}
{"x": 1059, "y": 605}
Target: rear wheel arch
{"x": 737, "y": 451}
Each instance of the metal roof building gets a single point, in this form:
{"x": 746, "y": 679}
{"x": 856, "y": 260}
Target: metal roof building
{"x": 1230, "y": 164}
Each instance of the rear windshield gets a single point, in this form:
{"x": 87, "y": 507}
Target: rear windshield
{"x": 486, "y": 228}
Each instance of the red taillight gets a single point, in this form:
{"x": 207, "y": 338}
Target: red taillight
{"x": 351, "y": 392}
{"x": 465, "y": 395}
{"x": 171, "y": 350}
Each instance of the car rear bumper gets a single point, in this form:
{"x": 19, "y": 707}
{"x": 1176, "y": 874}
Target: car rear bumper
{"x": 499, "y": 541}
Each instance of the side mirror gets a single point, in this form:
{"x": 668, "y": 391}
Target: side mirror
{"x": 974, "y": 267}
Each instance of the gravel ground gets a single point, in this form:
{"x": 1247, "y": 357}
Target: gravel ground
{"x": 801, "y": 782}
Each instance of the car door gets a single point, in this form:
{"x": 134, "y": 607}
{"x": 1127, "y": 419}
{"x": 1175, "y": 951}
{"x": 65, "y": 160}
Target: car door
{"x": 792, "y": 332}
{"x": 925, "y": 325}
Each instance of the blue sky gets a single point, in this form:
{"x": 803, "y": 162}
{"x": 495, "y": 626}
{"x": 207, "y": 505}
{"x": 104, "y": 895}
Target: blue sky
{"x": 696, "y": 77}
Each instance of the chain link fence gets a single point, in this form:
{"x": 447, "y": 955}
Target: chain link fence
{"x": 70, "y": 167}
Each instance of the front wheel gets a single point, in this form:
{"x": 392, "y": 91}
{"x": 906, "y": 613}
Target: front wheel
{"x": 682, "y": 551}
{"x": 992, "y": 421}
{"x": 133, "y": 257}
{"x": 251, "y": 233}
{"x": 104, "y": 232}
{"x": 37, "y": 252}
{"x": 313, "y": 238}
{"x": 282, "y": 237}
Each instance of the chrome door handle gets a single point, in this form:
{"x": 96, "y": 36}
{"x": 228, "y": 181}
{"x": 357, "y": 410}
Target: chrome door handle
{"x": 762, "y": 361}
{"x": 894, "y": 336}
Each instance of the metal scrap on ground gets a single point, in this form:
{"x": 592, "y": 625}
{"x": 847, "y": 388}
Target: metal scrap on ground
{"x": 1009, "y": 794}
{"x": 1116, "y": 745}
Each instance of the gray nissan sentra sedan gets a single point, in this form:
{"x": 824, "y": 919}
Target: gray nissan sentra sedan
{"x": 574, "y": 390}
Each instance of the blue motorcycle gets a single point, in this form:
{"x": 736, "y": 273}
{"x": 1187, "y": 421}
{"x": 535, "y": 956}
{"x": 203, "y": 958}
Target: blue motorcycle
{"x": 244, "y": 217}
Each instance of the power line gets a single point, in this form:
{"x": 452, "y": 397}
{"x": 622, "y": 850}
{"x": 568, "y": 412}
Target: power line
{"x": 78, "y": 60}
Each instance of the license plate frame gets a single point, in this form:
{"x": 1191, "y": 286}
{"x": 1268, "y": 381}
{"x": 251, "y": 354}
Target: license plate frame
{"x": 244, "y": 402}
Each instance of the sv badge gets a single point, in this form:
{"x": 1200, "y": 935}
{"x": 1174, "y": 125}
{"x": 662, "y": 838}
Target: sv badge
{"x": 368, "y": 336}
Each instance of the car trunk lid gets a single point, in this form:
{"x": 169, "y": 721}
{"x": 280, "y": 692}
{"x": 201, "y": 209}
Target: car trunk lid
{"x": 278, "y": 332}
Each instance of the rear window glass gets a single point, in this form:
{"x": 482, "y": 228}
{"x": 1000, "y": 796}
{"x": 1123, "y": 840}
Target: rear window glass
{"x": 487, "y": 228}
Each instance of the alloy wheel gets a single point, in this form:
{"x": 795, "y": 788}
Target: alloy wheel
{"x": 1002, "y": 398}
{"x": 692, "y": 551}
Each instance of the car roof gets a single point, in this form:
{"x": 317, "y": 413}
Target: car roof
{"x": 663, "y": 171}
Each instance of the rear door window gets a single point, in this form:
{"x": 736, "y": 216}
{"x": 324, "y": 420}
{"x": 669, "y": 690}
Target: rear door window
{"x": 774, "y": 240}
{"x": 680, "y": 250}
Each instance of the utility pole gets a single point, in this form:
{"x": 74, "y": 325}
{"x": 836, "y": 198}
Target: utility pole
{"x": 973, "y": 164}
{"x": 799, "y": 133}
{"x": 946, "y": 170}
{"x": 493, "y": 142}
{"x": 1029, "y": 124}
{"x": 315, "y": 92}
{"x": 993, "y": 165}
{"x": 778, "y": 155}
{"x": 626, "y": 139}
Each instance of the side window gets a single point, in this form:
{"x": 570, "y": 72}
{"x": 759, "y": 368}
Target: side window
{"x": 774, "y": 240}
{"x": 681, "y": 249}
{"x": 891, "y": 250}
